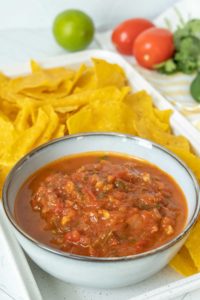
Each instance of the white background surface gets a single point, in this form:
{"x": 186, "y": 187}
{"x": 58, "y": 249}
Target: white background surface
{"x": 25, "y": 25}
{"x": 40, "y": 13}
{"x": 25, "y": 32}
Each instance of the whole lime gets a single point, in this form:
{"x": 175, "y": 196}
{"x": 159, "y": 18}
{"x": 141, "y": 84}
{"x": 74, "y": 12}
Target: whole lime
{"x": 73, "y": 29}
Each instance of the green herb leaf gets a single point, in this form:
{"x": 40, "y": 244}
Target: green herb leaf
{"x": 167, "y": 67}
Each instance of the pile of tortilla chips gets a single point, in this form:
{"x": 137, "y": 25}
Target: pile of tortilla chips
{"x": 50, "y": 103}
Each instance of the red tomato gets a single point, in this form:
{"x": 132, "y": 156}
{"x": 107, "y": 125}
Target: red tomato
{"x": 125, "y": 34}
{"x": 153, "y": 46}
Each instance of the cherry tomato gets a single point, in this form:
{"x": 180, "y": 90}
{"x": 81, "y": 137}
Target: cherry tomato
{"x": 125, "y": 34}
{"x": 153, "y": 46}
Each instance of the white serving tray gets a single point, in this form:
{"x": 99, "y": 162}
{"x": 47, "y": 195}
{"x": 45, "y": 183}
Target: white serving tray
{"x": 167, "y": 284}
{"x": 176, "y": 88}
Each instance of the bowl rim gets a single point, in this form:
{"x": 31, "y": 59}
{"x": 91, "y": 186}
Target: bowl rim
{"x": 52, "y": 250}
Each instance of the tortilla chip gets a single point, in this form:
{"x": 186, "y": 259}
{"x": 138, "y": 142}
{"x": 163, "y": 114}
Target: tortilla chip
{"x": 4, "y": 170}
{"x": 42, "y": 80}
{"x": 23, "y": 120}
{"x": 87, "y": 81}
{"x": 3, "y": 80}
{"x": 193, "y": 246}
{"x": 17, "y": 99}
{"x": 183, "y": 263}
{"x": 35, "y": 67}
{"x": 114, "y": 116}
{"x": 163, "y": 115}
{"x": 60, "y": 131}
{"x": 9, "y": 109}
{"x": 149, "y": 130}
{"x": 76, "y": 101}
{"x": 108, "y": 74}
{"x": 7, "y": 133}
{"x": 25, "y": 140}
{"x": 188, "y": 157}
{"x": 142, "y": 105}
{"x": 51, "y": 128}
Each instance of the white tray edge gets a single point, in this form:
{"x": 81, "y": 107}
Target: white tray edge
{"x": 178, "y": 122}
{"x": 18, "y": 260}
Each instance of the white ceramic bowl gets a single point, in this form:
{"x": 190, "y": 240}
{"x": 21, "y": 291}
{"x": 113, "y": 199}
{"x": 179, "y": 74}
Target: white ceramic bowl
{"x": 91, "y": 271}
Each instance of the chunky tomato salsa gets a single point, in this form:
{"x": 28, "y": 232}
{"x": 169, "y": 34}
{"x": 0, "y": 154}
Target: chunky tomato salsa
{"x": 101, "y": 204}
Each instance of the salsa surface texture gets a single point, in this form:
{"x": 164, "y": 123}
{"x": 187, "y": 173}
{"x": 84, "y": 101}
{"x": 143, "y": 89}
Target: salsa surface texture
{"x": 101, "y": 204}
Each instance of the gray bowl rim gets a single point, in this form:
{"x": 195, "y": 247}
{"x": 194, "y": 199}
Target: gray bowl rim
{"x": 136, "y": 139}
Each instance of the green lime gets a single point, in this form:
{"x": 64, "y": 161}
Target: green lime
{"x": 73, "y": 30}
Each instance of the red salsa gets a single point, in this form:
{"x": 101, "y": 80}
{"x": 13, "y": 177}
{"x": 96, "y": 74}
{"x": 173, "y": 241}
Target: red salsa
{"x": 101, "y": 204}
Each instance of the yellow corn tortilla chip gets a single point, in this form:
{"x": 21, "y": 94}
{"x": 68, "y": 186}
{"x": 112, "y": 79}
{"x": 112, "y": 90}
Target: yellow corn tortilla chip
{"x": 3, "y": 80}
{"x": 64, "y": 89}
{"x": 142, "y": 105}
{"x": 17, "y": 99}
{"x": 67, "y": 109}
{"x": 35, "y": 67}
{"x": 25, "y": 140}
{"x": 51, "y": 128}
{"x": 75, "y": 101}
{"x": 63, "y": 117}
{"x": 188, "y": 157}
{"x": 42, "y": 80}
{"x": 9, "y": 109}
{"x": 7, "y": 133}
{"x": 148, "y": 129}
{"x": 193, "y": 246}
{"x": 87, "y": 81}
{"x": 183, "y": 263}
{"x": 102, "y": 116}
{"x": 60, "y": 131}
{"x": 163, "y": 115}
{"x": 24, "y": 118}
{"x": 108, "y": 74}
{"x": 4, "y": 170}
